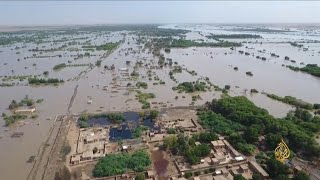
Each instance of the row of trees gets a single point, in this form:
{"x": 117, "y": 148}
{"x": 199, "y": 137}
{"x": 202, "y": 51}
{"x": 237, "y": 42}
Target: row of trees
{"x": 183, "y": 43}
{"x": 44, "y": 81}
{"x": 234, "y": 36}
{"x": 105, "y": 47}
{"x": 292, "y": 101}
{"x": 312, "y": 69}
{"x": 59, "y": 66}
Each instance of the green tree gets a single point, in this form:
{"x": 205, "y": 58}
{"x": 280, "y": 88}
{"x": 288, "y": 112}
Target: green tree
{"x": 170, "y": 141}
{"x": 239, "y": 177}
{"x": 140, "y": 176}
{"x": 113, "y": 164}
{"x": 154, "y": 114}
{"x": 301, "y": 175}
{"x": 171, "y": 131}
{"x": 256, "y": 176}
{"x": 276, "y": 168}
{"x": 251, "y": 134}
{"x": 188, "y": 175}
{"x": 282, "y": 177}
{"x": 272, "y": 140}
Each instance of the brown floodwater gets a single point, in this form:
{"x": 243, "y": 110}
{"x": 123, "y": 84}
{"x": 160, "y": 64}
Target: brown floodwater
{"x": 96, "y": 84}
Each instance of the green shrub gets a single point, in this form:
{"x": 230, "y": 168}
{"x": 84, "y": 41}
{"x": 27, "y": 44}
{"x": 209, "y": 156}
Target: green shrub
{"x": 188, "y": 175}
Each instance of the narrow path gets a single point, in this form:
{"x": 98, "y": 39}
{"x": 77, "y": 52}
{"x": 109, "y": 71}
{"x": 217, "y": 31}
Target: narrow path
{"x": 53, "y": 148}
{"x": 43, "y": 151}
{"x": 39, "y": 155}
{"x": 73, "y": 97}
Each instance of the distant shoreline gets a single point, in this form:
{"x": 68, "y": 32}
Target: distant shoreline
{"x": 16, "y": 28}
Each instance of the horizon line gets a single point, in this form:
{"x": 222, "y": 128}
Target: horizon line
{"x": 149, "y": 23}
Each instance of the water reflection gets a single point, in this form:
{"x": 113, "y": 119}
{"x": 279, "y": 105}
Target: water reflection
{"x": 124, "y": 131}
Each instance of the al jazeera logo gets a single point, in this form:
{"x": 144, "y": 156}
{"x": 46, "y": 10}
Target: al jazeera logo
{"x": 282, "y": 151}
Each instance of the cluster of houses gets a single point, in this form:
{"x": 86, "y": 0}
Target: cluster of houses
{"x": 223, "y": 163}
{"x": 91, "y": 145}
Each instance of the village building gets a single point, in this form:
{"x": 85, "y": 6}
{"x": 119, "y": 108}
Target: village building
{"x": 91, "y": 145}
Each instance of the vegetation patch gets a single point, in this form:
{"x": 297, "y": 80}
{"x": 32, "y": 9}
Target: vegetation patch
{"x": 186, "y": 146}
{"x": 292, "y": 101}
{"x": 143, "y": 97}
{"x": 113, "y": 117}
{"x": 234, "y": 36}
{"x": 298, "y": 128}
{"x": 13, "y": 118}
{"x": 294, "y": 44}
{"x": 152, "y": 114}
{"x": 98, "y": 63}
{"x": 104, "y": 47}
{"x": 26, "y": 101}
{"x": 312, "y": 69}
{"x": 59, "y": 66}
{"x": 39, "y": 81}
{"x": 190, "y": 87}
{"x": 218, "y": 123}
{"x": 114, "y": 164}
{"x": 137, "y": 132}
{"x": 142, "y": 84}
{"x": 182, "y": 43}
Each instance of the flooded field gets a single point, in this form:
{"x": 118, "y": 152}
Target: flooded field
{"x": 105, "y": 80}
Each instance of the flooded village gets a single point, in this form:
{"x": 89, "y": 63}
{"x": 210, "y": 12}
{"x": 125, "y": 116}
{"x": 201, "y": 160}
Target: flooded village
{"x": 159, "y": 102}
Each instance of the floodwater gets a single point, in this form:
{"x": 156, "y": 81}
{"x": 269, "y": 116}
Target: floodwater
{"x": 124, "y": 131}
{"x": 107, "y": 89}
{"x": 120, "y": 133}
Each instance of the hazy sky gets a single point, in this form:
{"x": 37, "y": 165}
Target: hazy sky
{"x": 107, "y": 12}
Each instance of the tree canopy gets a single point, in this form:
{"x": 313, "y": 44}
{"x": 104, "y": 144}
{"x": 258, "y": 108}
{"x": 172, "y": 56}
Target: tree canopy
{"x": 230, "y": 115}
{"x": 113, "y": 164}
